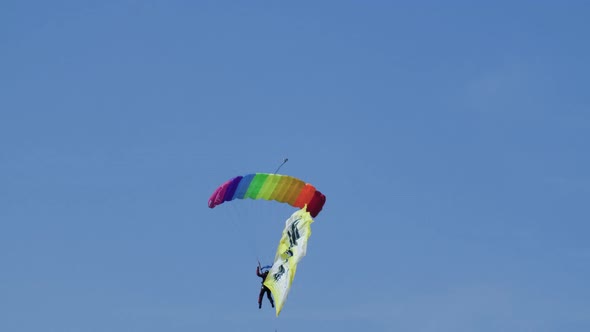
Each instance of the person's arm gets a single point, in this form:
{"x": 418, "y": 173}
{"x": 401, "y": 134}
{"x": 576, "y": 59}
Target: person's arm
{"x": 258, "y": 271}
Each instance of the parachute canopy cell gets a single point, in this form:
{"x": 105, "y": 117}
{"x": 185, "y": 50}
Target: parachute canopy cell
{"x": 277, "y": 187}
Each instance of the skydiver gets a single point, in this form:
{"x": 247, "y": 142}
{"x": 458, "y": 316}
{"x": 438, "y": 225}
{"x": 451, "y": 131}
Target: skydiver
{"x": 262, "y": 274}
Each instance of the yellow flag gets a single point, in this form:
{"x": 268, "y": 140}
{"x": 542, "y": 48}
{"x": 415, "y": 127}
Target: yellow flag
{"x": 292, "y": 248}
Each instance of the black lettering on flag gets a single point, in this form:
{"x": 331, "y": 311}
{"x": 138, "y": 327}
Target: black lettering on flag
{"x": 277, "y": 276}
{"x": 293, "y": 233}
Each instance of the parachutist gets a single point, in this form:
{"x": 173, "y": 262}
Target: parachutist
{"x": 263, "y": 289}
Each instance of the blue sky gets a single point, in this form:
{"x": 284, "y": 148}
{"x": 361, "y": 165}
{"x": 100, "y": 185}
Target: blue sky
{"x": 451, "y": 142}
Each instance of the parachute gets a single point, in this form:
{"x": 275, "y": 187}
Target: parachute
{"x": 277, "y": 187}
{"x": 293, "y": 244}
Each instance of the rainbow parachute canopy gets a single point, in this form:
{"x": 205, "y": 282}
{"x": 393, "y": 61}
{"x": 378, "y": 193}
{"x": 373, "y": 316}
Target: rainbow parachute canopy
{"x": 277, "y": 187}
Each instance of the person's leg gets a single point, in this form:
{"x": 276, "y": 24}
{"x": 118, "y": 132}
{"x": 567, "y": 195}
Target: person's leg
{"x": 270, "y": 297}
{"x": 260, "y": 295}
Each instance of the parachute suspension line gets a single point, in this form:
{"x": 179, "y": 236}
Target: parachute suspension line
{"x": 246, "y": 232}
{"x": 281, "y": 165}
{"x": 247, "y": 218}
{"x": 241, "y": 229}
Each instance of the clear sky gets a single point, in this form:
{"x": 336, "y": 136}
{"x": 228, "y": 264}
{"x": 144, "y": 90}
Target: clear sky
{"x": 451, "y": 141}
